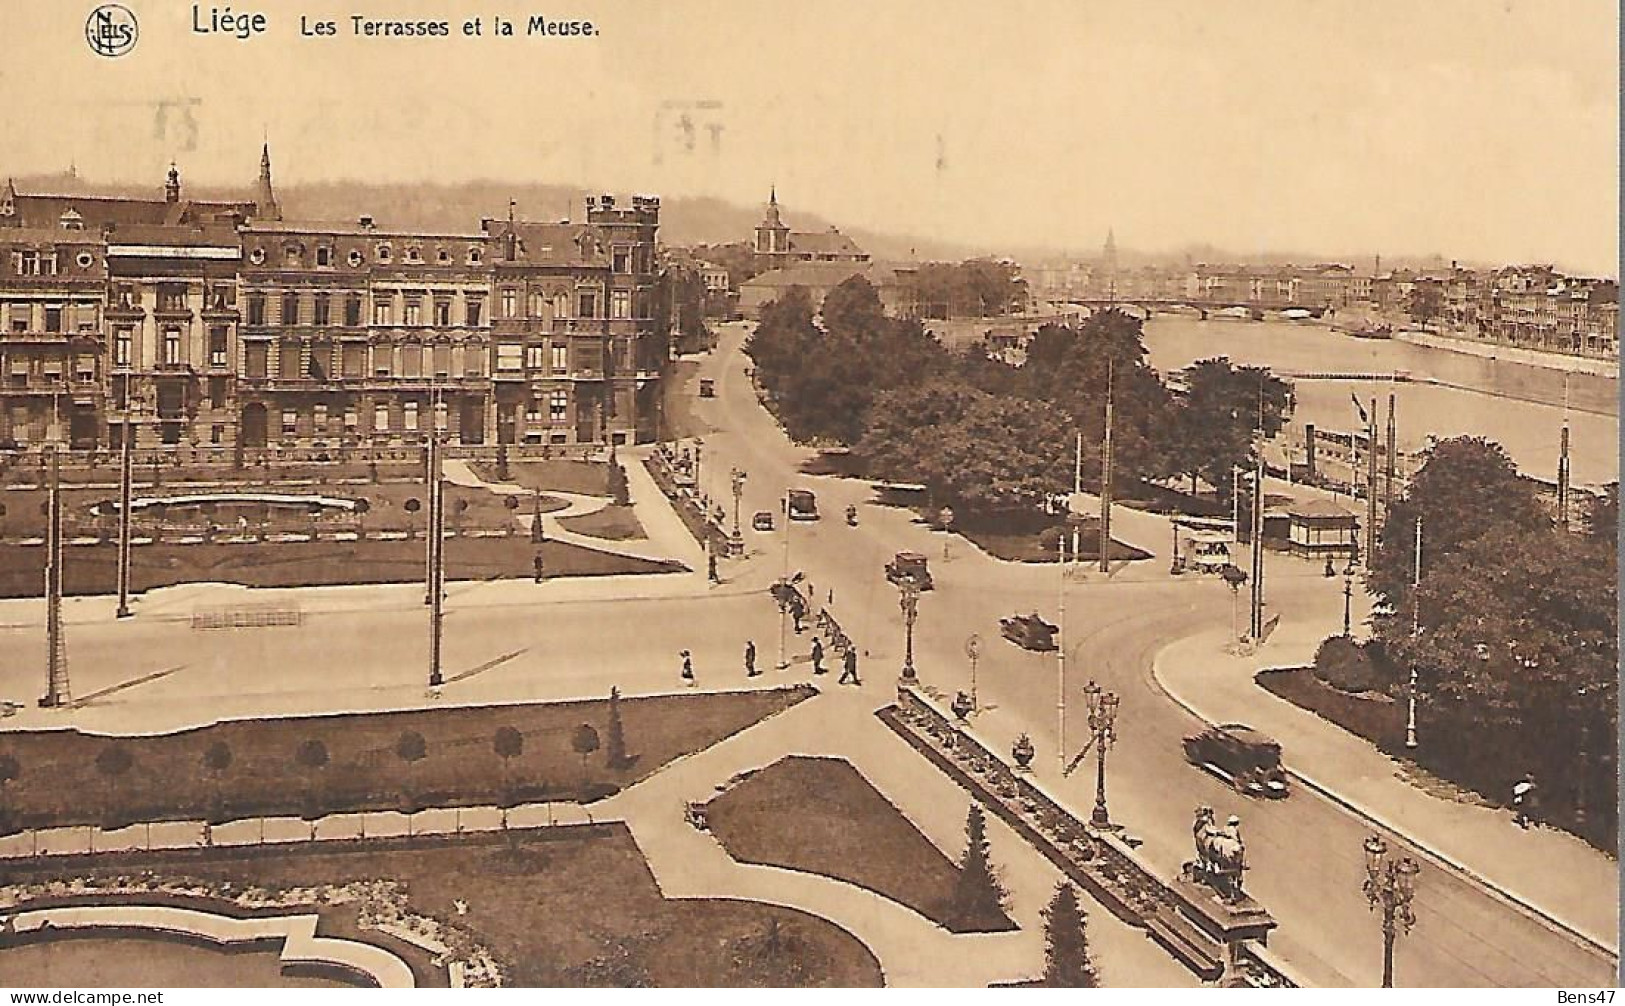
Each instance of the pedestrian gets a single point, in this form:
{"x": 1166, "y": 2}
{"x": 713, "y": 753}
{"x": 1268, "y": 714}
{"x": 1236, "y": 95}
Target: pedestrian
{"x": 831, "y": 598}
{"x": 711, "y": 568}
{"x": 849, "y": 673}
{"x": 798, "y": 611}
{"x": 818, "y": 656}
{"x": 539, "y": 567}
{"x": 1523, "y": 801}
{"x": 750, "y": 659}
{"x": 688, "y": 669}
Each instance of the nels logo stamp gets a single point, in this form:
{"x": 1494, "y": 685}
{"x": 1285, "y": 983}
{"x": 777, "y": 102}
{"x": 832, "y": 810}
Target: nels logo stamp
{"x": 111, "y": 30}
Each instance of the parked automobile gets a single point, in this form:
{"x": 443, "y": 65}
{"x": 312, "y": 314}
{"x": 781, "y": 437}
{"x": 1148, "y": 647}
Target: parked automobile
{"x": 1241, "y": 756}
{"x": 911, "y": 564}
{"x": 763, "y": 521}
{"x": 802, "y": 504}
{"x": 1029, "y": 632}
{"x": 708, "y": 388}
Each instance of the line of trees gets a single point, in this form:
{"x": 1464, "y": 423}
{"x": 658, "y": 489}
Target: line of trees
{"x": 989, "y": 436}
{"x": 1513, "y": 629}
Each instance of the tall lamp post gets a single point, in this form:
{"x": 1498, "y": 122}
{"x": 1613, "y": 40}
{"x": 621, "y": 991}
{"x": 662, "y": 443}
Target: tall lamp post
{"x": 1348, "y": 596}
{"x": 1390, "y": 884}
{"x": 736, "y": 544}
{"x": 1102, "y": 707}
{"x": 908, "y": 589}
{"x": 1416, "y": 629}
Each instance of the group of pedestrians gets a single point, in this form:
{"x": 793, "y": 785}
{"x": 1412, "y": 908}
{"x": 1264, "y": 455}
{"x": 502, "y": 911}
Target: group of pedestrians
{"x": 826, "y": 625}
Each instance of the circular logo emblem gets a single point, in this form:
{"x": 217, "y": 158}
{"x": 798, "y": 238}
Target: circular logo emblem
{"x": 111, "y": 30}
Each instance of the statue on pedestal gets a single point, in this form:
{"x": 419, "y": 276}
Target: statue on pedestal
{"x": 1221, "y": 857}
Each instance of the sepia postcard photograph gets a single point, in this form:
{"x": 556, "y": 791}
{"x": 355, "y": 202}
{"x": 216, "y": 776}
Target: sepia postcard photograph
{"x": 1107, "y": 494}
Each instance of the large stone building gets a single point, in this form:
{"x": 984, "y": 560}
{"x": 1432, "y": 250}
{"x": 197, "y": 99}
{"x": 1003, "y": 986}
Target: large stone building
{"x": 778, "y": 247}
{"x": 220, "y": 324}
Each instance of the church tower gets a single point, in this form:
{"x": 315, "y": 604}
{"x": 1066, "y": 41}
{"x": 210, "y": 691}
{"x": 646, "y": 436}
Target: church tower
{"x": 265, "y": 207}
{"x": 772, "y": 236}
{"x": 1109, "y": 264}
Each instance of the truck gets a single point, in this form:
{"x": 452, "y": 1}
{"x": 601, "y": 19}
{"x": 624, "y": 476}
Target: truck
{"x": 802, "y": 505}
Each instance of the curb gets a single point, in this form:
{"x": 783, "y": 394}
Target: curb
{"x": 1441, "y": 859}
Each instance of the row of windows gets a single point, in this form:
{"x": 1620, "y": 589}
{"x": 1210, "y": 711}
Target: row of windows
{"x": 293, "y": 255}
{"x": 25, "y": 317}
{"x": 585, "y": 304}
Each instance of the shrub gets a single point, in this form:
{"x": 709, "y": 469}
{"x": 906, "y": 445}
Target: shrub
{"x": 1347, "y": 666}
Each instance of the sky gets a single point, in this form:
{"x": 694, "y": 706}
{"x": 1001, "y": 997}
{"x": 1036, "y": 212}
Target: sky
{"x": 1484, "y": 130}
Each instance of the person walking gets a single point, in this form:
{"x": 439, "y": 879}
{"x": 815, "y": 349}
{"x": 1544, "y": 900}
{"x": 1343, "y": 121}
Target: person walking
{"x": 1523, "y": 801}
{"x": 711, "y": 567}
{"x": 688, "y": 669}
{"x": 849, "y": 672}
{"x": 539, "y": 567}
{"x": 798, "y": 610}
{"x": 750, "y": 659}
{"x": 818, "y": 656}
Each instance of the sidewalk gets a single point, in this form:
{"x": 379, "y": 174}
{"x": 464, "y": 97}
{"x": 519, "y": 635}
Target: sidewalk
{"x": 1580, "y": 895}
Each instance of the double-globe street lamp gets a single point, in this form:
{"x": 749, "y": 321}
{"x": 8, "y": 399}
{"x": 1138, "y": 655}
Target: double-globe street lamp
{"x": 736, "y": 543}
{"x": 1390, "y": 885}
{"x": 1102, "y": 706}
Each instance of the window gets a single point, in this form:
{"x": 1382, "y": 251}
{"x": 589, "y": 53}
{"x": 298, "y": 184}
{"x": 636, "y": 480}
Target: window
{"x": 411, "y": 361}
{"x": 257, "y": 256}
{"x": 381, "y": 313}
{"x": 380, "y": 418}
{"x": 318, "y": 416}
{"x": 383, "y": 361}
{"x": 442, "y": 312}
{"x": 290, "y": 422}
{"x": 535, "y": 357}
{"x": 217, "y": 392}
{"x": 217, "y": 434}
{"x": 558, "y": 405}
{"x": 53, "y": 319}
{"x": 561, "y": 305}
{"x": 172, "y": 297}
{"x": 414, "y": 312}
{"x": 351, "y": 420}
{"x": 533, "y": 411}
{"x": 352, "y": 311}
{"x": 474, "y": 360}
{"x": 442, "y": 360}
{"x": 589, "y": 304}
{"x": 409, "y": 417}
{"x": 322, "y": 310}
{"x": 441, "y": 414}
{"x": 561, "y": 358}
{"x": 383, "y": 253}
{"x": 291, "y": 256}
{"x": 21, "y": 317}
{"x": 290, "y": 309}
{"x": 121, "y": 346}
{"x": 324, "y": 257}
{"x": 473, "y": 307}
{"x": 509, "y": 356}
{"x": 538, "y": 305}
{"x": 256, "y": 358}
{"x": 84, "y": 365}
{"x": 355, "y": 257}
{"x": 256, "y": 309}
{"x": 288, "y": 368}
{"x": 27, "y": 263}
{"x": 443, "y": 256}
{"x": 510, "y": 302}
{"x": 620, "y": 304}
{"x": 414, "y": 254}
{"x": 217, "y": 346}
{"x": 353, "y": 359}
{"x": 473, "y": 256}
{"x": 622, "y": 261}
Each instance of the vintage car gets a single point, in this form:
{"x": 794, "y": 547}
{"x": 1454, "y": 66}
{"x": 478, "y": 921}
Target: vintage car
{"x": 1241, "y": 756}
{"x": 910, "y": 564}
{"x": 708, "y": 388}
{"x": 801, "y": 504}
{"x": 1029, "y": 632}
{"x": 763, "y": 521}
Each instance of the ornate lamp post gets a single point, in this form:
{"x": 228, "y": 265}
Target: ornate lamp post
{"x": 1390, "y": 884}
{"x": 1348, "y": 597}
{"x": 736, "y": 543}
{"x": 1233, "y": 576}
{"x": 1102, "y": 707}
{"x": 909, "y": 600}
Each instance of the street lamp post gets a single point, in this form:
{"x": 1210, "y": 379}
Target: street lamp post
{"x": 1390, "y": 884}
{"x": 909, "y": 601}
{"x": 1102, "y": 707}
{"x": 736, "y": 544}
{"x": 1416, "y": 629}
{"x": 1348, "y": 598}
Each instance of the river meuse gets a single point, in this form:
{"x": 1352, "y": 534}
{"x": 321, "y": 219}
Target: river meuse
{"x": 1517, "y": 405}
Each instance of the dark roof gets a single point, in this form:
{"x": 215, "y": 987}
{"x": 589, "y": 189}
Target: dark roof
{"x": 1318, "y": 508}
{"x": 99, "y": 211}
{"x": 830, "y": 242}
{"x": 563, "y": 244}
{"x": 825, "y": 274}
{"x": 149, "y": 234}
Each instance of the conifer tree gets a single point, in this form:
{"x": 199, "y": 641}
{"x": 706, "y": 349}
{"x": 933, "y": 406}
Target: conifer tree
{"x": 979, "y": 898}
{"x": 1066, "y": 944}
{"x": 615, "y": 746}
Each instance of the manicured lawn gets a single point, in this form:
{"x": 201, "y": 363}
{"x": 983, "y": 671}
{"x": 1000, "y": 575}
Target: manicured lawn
{"x": 170, "y": 471}
{"x": 615, "y": 523}
{"x": 819, "y": 815}
{"x": 589, "y": 478}
{"x": 1375, "y": 717}
{"x": 64, "y": 777}
{"x": 1031, "y": 538}
{"x": 560, "y": 907}
{"x": 93, "y": 569}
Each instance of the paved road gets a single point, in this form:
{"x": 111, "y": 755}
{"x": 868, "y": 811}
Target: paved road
{"x": 1306, "y": 852}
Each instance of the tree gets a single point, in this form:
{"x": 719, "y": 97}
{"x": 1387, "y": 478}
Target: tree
{"x": 1066, "y": 943}
{"x": 508, "y": 743}
{"x": 217, "y": 759}
{"x": 979, "y": 898}
{"x": 1466, "y": 487}
{"x": 615, "y": 742}
{"x": 619, "y": 490}
{"x": 584, "y": 741}
{"x": 1425, "y": 303}
{"x": 1602, "y": 517}
{"x": 9, "y": 771}
{"x": 411, "y": 748}
{"x": 312, "y": 758}
{"x": 1228, "y": 411}
{"x": 852, "y": 309}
